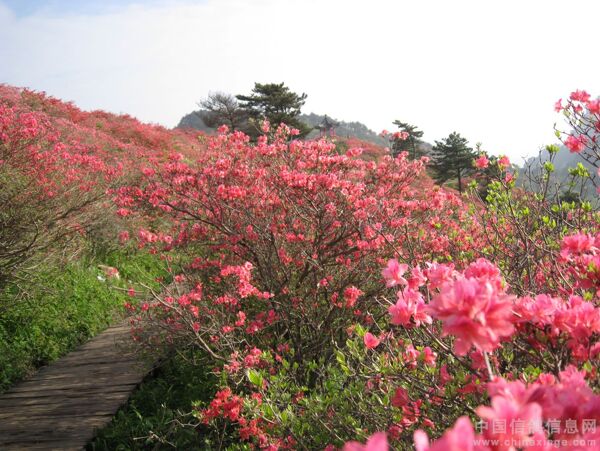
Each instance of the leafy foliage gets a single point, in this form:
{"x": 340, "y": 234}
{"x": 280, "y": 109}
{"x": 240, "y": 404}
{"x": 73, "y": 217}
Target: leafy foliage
{"x": 452, "y": 158}
{"x": 275, "y": 103}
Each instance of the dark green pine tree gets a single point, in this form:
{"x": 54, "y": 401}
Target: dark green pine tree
{"x": 452, "y": 158}
{"x": 276, "y": 103}
{"x": 411, "y": 144}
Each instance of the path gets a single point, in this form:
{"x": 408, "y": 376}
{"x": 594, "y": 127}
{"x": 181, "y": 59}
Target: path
{"x": 62, "y": 405}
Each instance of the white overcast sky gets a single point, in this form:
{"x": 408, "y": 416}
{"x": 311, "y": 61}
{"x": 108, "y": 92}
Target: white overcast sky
{"x": 490, "y": 70}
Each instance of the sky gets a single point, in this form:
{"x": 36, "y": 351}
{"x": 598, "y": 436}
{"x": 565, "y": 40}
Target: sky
{"x": 488, "y": 70}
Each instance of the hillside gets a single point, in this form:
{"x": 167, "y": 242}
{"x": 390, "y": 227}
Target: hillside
{"x": 563, "y": 161}
{"x": 346, "y": 130}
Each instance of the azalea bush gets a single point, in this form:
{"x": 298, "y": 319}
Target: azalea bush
{"x": 532, "y": 343}
{"x": 284, "y": 241}
{"x": 339, "y": 296}
{"x": 57, "y": 165}
{"x": 46, "y": 188}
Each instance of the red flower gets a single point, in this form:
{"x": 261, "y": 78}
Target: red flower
{"x": 377, "y": 442}
{"x": 393, "y": 273}
{"x": 576, "y": 144}
{"x": 482, "y": 162}
{"x": 475, "y": 312}
{"x": 371, "y": 341}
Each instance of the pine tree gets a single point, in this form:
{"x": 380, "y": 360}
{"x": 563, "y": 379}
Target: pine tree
{"x": 452, "y": 158}
{"x": 222, "y": 109}
{"x": 275, "y": 103}
{"x": 411, "y": 144}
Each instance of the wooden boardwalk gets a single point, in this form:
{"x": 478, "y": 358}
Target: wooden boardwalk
{"x": 62, "y": 405}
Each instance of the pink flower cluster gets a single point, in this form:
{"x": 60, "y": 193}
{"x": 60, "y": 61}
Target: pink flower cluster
{"x": 534, "y": 417}
{"x": 473, "y": 306}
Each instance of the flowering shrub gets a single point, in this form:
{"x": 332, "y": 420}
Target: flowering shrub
{"x": 338, "y": 298}
{"x": 56, "y": 165}
{"x": 285, "y": 246}
{"x": 527, "y": 337}
{"x": 285, "y": 239}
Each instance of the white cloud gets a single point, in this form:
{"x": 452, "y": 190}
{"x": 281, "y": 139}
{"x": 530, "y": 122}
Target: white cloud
{"x": 490, "y": 70}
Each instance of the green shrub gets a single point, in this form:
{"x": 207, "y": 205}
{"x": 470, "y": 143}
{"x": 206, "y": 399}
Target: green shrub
{"x": 152, "y": 416}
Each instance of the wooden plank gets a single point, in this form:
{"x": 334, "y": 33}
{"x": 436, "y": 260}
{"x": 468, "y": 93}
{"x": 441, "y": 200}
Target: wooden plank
{"x": 66, "y": 393}
{"x": 62, "y": 405}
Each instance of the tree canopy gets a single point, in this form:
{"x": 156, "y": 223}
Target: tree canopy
{"x": 275, "y": 103}
{"x": 222, "y": 109}
{"x": 410, "y": 144}
{"x": 452, "y": 158}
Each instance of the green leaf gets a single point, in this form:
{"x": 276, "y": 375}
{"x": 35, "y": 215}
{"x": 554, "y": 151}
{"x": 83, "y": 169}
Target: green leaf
{"x": 255, "y": 378}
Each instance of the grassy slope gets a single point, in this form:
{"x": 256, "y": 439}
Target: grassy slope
{"x": 65, "y": 307}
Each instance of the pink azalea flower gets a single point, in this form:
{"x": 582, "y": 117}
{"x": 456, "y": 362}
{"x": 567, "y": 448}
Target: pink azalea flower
{"x": 593, "y": 106}
{"x": 400, "y": 313}
{"x": 460, "y": 438}
{"x": 579, "y": 96}
{"x": 410, "y": 303}
{"x": 351, "y": 295}
{"x": 558, "y": 106}
{"x": 417, "y": 278}
{"x": 475, "y": 312}
{"x": 400, "y": 398}
{"x": 429, "y": 356}
{"x": 510, "y": 411}
{"x": 400, "y": 135}
{"x": 438, "y": 273}
{"x": 503, "y": 162}
{"x": 482, "y": 162}
{"x": 575, "y": 144}
{"x": 577, "y": 244}
{"x": 371, "y": 341}
{"x": 377, "y": 442}
{"x": 393, "y": 273}
{"x": 483, "y": 269}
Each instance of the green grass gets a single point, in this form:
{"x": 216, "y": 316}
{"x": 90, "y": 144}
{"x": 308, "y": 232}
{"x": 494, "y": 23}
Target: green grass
{"x": 148, "y": 420}
{"x": 63, "y": 308}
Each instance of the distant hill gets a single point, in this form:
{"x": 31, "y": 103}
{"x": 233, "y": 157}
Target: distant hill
{"x": 354, "y": 129}
{"x": 193, "y": 120}
{"x": 562, "y": 162}
{"x": 347, "y": 130}
{"x": 343, "y": 130}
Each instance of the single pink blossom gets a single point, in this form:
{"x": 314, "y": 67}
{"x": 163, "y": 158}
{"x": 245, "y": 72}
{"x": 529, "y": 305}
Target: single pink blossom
{"x": 377, "y": 442}
{"x": 429, "y": 356}
{"x": 393, "y": 273}
{"x": 351, "y": 295}
{"x": 503, "y": 162}
{"x": 558, "y": 106}
{"x": 400, "y": 398}
{"x": 593, "y": 106}
{"x": 482, "y": 162}
{"x": 460, "y": 438}
{"x": 577, "y": 244}
{"x": 576, "y": 144}
{"x": 475, "y": 312}
{"x": 417, "y": 278}
{"x": 371, "y": 341}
